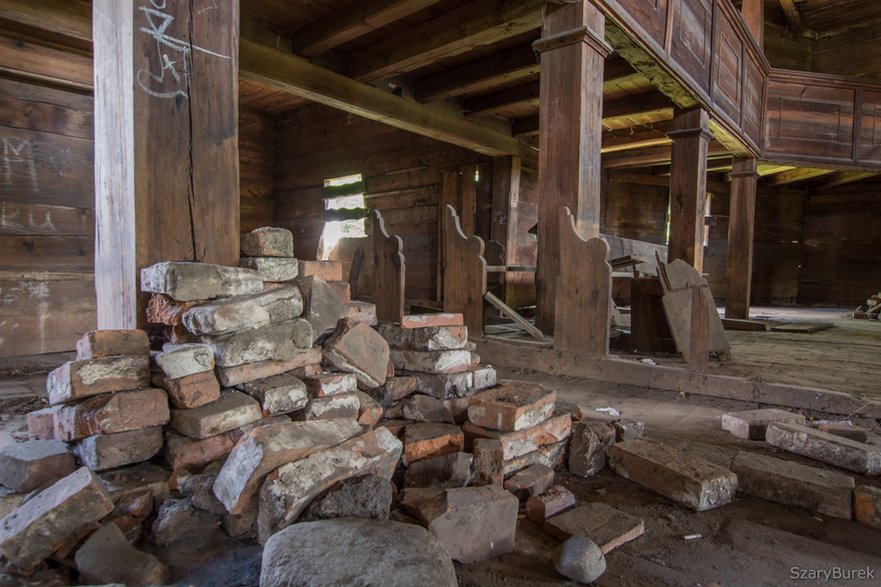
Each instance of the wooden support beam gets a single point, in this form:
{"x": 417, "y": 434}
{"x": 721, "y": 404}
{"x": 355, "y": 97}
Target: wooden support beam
{"x": 477, "y": 23}
{"x": 351, "y": 21}
{"x": 482, "y": 74}
{"x": 64, "y": 22}
{"x": 753, "y": 12}
{"x": 793, "y": 17}
{"x": 464, "y": 273}
{"x": 166, "y": 144}
{"x": 637, "y": 137}
{"x": 662, "y": 155}
{"x": 794, "y": 175}
{"x": 389, "y": 269}
{"x": 573, "y": 53}
{"x": 688, "y": 186}
{"x": 584, "y": 292}
{"x": 741, "y": 226}
{"x": 495, "y": 102}
{"x": 618, "y": 176}
{"x": 299, "y": 77}
{"x": 505, "y": 211}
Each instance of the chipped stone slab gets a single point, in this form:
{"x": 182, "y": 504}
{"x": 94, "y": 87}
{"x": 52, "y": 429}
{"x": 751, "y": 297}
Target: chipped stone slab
{"x": 555, "y": 500}
{"x": 287, "y": 492}
{"x": 867, "y": 506}
{"x": 429, "y": 338}
{"x": 274, "y": 342}
{"x": 359, "y": 311}
{"x": 267, "y": 241}
{"x": 28, "y": 465}
{"x": 826, "y": 448}
{"x": 606, "y": 526}
{"x": 107, "y": 557}
{"x": 244, "y": 312}
{"x": 322, "y": 306}
{"x": 111, "y": 413}
{"x": 425, "y": 320}
{"x": 326, "y": 270}
{"x": 190, "y": 391}
{"x": 108, "y": 451}
{"x": 264, "y": 449}
{"x": 686, "y": 479}
{"x": 81, "y": 379}
{"x": 185, "y": 281}
{"x": 422, "y": 441}
{"x": 273, "y": 269}
{"x": 279, "y": 394}
{"x": 445, "y": 471}
{"x": 752, "y": 424}
{"x": 43, "y": 523}
{"x": 233, "y": 410}
{"x": 432, "y": 361}
{"x": 527, "y": 440}
{"x": 232, "y": 376}
{"x": 512, "y": 406}
{"x": 180, "y": 360}
{"x": 358, "y": 349}
{"x": 825, "y": 492}
{"x": 106, "y": 343}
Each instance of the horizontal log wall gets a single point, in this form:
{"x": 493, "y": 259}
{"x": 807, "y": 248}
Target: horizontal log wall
{"x": 256, "y": 168}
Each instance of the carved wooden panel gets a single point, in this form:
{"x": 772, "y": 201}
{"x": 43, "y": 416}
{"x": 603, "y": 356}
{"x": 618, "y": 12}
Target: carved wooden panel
{"x": 809, "y": 120}
{"x": 727, "y": 68}
{"x": 753, "y": 100}
{"x": 691, "y": 45}
{"x": 650, "y": 14}
{"x": 870, "y": 128}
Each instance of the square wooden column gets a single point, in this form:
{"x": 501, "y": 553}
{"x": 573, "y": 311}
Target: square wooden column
{"x": 572, "y": 51}
{"x": 166, "y": 142}
{"x": 753, "y": 12}
{"x": 688, "y": 185}
{"x": 741, "y": 225}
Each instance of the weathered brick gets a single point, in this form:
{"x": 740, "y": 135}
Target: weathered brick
{"x": 424, "y": 408}
{"x": 369, "y": 410}
{"x": 108, "y": 451}
{"x": 41, "y": 423}
{"x": 232, "y": 376}
{"x": 483, "y": 377}
{"x": 245, "y": 312}
{"x": 343, "y": 291}
{"x": 183, "y": 451}
{"x": 826, "y": 448}
{"x": 429, "y": 338}
{"x": 326, "y": 270}
{"x": 446, "y": 385}
{"x": 191, "y": 391}
{"x": 267, "y": 241}
{"x": 107, "y": 557}
{"x": 550, "y": 455}
{"x": 330, "y": 383}
{"x": 322, "y": 307}
{"x": 752, "y": 424}
{"x": 274, "y": 342}
{"x": 825, "y": 492}
{"x": 555, "y": 500}
{"x": 43, "y": 523}
{"x": 423, "y": 320}
{"x": 432, "y": 361}
{"x": 127, "y": 482}
{"x": 106, "y": 343}
{"x": 606, "y": 526}
{"x": 176, "y": 361}
{"x": 278, "y": 394}
{"x": 357, "y": 348}
{"x": 232, "y": 410}
{"x": 422, "y": 441}
{"x": 846, "y": 430}
{"x": 286, "y": 493}
{"x": 273, "y": 269}
{"x": 532, "y": 480}
{"x": 688, "y": 480}
{"x": 512, "y": 405}
{"x": 265, "y": 449}
{"x": 867, "y": 506}
{"x": 81, "y": 379}
{"x": 27, "y": 465}
{"x": 445, "y": 471}
{"x": 521, "y": 442}
{"x": 187, "y": 281}
{"x": 358, "y": 311}
{"x": 112, "y": 413}
{"x": 394, "y": 389}
{"x": 340, "y": 405}
{"x": 162, "y": 309}
{"x": 489, "y": 462}
{"x": 588, "y": 446}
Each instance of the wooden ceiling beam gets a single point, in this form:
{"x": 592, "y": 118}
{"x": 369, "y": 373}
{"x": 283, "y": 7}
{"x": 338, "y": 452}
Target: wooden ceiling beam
{"x": 793, "y": 176}
{"x": 477, "y": 23}
{"x": 489, "y": 104}
{"x": 840, "y": 178}
{"x": 792, "y": 16}
{"x": 618, "y": 176}
{"x": 654, "y": 156}
{"x": 299, "y": 77}
{"x": 351, "y": 21}
{"x": 479, "y": 75}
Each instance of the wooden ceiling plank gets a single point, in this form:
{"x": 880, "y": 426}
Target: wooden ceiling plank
{"x": 489, "y": 104}
{"x": 794, "y": 175}
{"x": 841, "y": 178}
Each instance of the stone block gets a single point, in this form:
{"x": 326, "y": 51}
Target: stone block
{"x": 429, "y": 338}
{"x": 445, "y": 471}
{"x": 532, "y": 480}
{"x": 588, "y": 446}
{"x": 241, "y": 313}
{"x": 867, "y": 506}
{"x": 287, "y": 492}
{"x": 278, "y": 394}
{"x": 432, "y": 361}
{"x": 41, "y": 423}
{"x": 358, "y": 311}
{"x": 458, "y": 407}
{"x": 845, "y": 430}
{"x": 752, "y": 424}
{"x": 274, "y": 342}
{"x": 183, "y": 451}
{"x": 555, "y": 500}
{"x": 518, "y": 443}
{"x": 489, "y": 462}
{"x": 181, "y": 360}
{"x": 367, "y": 496}
{"x": 128, "y": 482}
{"x": 687, "y": 480}
{"x": 273, "y": 269}
{"x": 825, "y": 492}
{"x": 266, "y": 448}
{"x": 343, "y": 291}
{"x": 232, "y": 410}
{"x": 826, "y": 448}
{"x": 550, "y": 455}
{"x": 28, "y": 465}
{"x": 180, "y": 523}
{"x": 232, "y": 376}
{"x": 326, "y": 270}
{"x": 424, "y": 320}
{"x": 107, "y": 557}
{"x": 162, "y": 309}
{"x": 81, "y": 379}
{"x": 445, "y": 386}
{"x": 330, "y": 383}
{"x": 422, "y": 441}
{"x": 606, "y": 526}
{"x": 424, "y": 408}
{"x": 191, "y": 391}
{"x": 268, "y": 241}
{"x": 511, "y": 406}
{"x": 108, "y": 451}
{"x": 395, "y": 389}
{"x": 45, "y": 522}
{"x": 322, "y": 305}
{"x": 358, "y": 349}
{"x": 187, "y": 281}
{"x": 626, "y": 429}
{"x": 483, "y": 377}
{"x": 106, "y": 343}
{"x": 369, "y": 410}
{"x": 111, "y": 413}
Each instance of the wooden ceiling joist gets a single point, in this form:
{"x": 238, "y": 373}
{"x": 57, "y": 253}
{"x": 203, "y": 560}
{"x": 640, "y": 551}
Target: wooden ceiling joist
{"x": 477, "y": 23}
{"x": 654, "y": 156}
{"x": 840, "y": 178}
{"x": 793, "y": 176}
{"x": 792, "y": 16}
{"x": 299, "y": 77}
{"x": 350, "y": 21}
{"x": 516, "y": 97}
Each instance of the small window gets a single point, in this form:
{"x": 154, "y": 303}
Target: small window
{"x": 344, "y": 194}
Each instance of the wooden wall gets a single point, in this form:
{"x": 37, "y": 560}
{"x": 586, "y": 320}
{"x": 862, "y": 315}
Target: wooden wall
{"x": 256, "y": 168}
{"x": 855, "y": 53}
{"x": 634, "y": 211}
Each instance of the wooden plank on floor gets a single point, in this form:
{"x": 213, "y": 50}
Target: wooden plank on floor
{"x": 802, "y": 327}
{"x": 747, "y": 325}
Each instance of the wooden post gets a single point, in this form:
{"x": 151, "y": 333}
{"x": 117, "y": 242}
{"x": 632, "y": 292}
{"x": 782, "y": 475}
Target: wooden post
{"x": 505, "y": 216}
{"x": 753, "y": 12}
{"x": 388, "y": 272}
{"x": 464, "y": 273}
{"x": 688, "y": 186}
{"x": 570, "y": 135}
{"x": 741, "y": 225}
{"x": 166, "y": 142}
{"x": 584, "y": 292}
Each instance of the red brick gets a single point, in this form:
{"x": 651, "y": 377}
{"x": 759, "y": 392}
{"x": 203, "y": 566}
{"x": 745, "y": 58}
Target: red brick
{"x": 422, "y": 441}
{"x": 550, "y": 455}
{"x": 112, "y": 413}
{"x": 190, "y": 391}
{"x": 41, "y": 423}
{"x": 752, "y": 424}
{"x": 455, "y": 361}
{"x": 162, "y": 309}
{"x": 106, "y": 343}
{"x": 521, "y": 442}
{"x": 232, "y": 376}
{"x": 326, "y": 270}
{"x": 607, "y": 527}
{"x": 232, "y": 410}
{"x": 27, "y": 465}
{"x": 555, "y": 500}
{"x": 423, "y": 320}
{"x": 330, "y": 383}
{"x": 108, "y": 451}
{"x": 359, "y": 311}
{"x": 357, "y": 348}
{"x": 532, "y": 480}
{"x": 80, "y": 379}
{"x": 182, "y": 451}
{"x": 846, "y": 431}
{"x": 267, "y": 241}
{"x": 867, "y": 506}
{"x": 511, "y": 406}
{"x": 489, "y": 462}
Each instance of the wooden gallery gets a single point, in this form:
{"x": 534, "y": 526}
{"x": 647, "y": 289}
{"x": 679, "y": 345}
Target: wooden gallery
{"x": 440, "y": 292}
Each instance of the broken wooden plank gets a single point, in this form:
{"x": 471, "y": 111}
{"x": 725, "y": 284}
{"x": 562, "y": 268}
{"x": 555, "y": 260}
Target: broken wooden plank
{"x": 513, "y": 315}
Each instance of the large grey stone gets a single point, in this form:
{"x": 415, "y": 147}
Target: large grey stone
{"x": 185, "y": 281}
{"x": 268, "y": 241}
{"x": 107, "y": 557}
{"x": 367, "y": 496}
{"x": 580, "y": 559}
{"x": 429, "y": 338}
{"x": 27, "y": 465}
{"x": 278, "y": 394}
{"x": 355, "y": 552}
{"x": 273, "y": 269}
{"x": 274, "y": 342}
{"x": 244, "y": 312}
{"x": 322, "y": 306}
